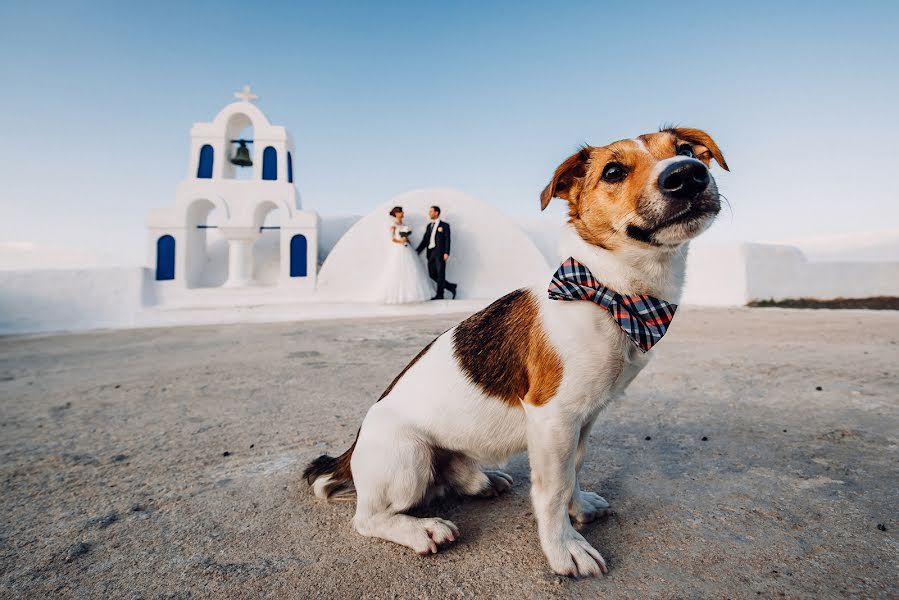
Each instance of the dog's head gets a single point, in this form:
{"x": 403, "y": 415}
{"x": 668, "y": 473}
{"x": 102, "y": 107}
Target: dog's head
{"x": 654, "y": 190}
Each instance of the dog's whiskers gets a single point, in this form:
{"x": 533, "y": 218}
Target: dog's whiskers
{"x": 730, "y": 208}
{"x": 616, "y": 231}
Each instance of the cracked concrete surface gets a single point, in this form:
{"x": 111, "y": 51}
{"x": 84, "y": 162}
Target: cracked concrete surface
{"x": 755, "y": 457}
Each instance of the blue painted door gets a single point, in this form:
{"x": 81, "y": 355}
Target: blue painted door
{"x": 165, "y": 258}
{"x": 204, "y": 168}
{"x": 298, "y": 254}
{"x": 270, "y": 164}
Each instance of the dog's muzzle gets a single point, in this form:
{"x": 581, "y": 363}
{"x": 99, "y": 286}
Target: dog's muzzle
{"x": 684, "y": 179}
{"x": 687, "y": 196}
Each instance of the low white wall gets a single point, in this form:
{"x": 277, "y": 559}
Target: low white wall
{"x": 717, "y": 274}
{"x": 734, "y": 274}
{"x": 780, "y": 272}
{"x": 851, "y": 280}
{"x": 57, "y": 300}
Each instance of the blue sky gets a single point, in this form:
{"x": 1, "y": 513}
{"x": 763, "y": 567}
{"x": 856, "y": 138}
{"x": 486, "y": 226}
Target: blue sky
{"x": 385, "y": 97}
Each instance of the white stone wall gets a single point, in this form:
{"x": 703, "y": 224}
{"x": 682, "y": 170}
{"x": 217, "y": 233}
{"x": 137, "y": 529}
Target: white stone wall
{"x": 734, "y": 274}
{"x": 61, "y": 300}
{"x": 717, "y": 274}
{"x": 779, "y": 272}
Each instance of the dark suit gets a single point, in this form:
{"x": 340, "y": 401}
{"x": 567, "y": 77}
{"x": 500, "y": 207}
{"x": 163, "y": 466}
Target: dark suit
{"x": 436, "y": 262}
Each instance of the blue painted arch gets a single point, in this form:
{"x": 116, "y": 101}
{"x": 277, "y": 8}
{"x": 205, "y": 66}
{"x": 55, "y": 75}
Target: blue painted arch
{"x": 270, "y": 164}
{"x": 298, "y": 256}
{"x": 289, "y": 168}
{"x": 165, "y": 258}
{"x": 204, "y": 167}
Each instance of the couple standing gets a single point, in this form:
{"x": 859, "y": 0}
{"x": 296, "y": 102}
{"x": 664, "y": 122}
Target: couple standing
{"x": 404, "y": 278}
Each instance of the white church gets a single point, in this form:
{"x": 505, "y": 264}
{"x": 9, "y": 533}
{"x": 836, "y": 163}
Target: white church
{"x": 238, "y": 234}
{"x": 241, "y": 170}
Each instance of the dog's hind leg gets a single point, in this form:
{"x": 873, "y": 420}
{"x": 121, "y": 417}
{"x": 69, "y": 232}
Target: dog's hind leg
{"x": 393, "y": 472}
{"x": 466, "y": 477}
{"x": 423, "y": 535}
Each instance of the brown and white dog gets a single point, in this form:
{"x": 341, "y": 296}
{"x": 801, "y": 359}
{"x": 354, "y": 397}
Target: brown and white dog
{"x": 530, "y": 373}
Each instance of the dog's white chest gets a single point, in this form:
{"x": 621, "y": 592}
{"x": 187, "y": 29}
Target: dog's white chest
{"x": 599, "y": 360}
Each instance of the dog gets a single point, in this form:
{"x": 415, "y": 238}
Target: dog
{"x": 530, "y": 373}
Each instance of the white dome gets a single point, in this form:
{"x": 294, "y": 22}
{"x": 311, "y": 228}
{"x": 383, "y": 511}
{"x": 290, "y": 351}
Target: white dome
{"x": 490, "y": 254}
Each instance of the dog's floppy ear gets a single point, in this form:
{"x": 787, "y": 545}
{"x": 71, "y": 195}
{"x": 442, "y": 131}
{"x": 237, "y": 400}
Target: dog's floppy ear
{"x": 700, "y": 138}
{"x": 574, "y": 167}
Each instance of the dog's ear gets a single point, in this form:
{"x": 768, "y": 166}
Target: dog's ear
{"x": 574, "y": 167}
{"x": 704, "y": 145}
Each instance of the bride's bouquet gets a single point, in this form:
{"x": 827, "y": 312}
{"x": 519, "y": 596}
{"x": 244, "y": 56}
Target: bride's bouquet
{"x": 404, "y": 231}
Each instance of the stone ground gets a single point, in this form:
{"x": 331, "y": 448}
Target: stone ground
{"x": 755, "y": 457}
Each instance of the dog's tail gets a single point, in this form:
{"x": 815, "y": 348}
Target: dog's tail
{"x": 331, "y": 478}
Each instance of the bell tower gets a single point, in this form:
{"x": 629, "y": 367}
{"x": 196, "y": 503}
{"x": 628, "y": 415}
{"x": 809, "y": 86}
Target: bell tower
{"x": 240, "y": 173}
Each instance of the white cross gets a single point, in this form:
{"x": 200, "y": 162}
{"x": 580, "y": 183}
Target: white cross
{"x": 246, "y": 95}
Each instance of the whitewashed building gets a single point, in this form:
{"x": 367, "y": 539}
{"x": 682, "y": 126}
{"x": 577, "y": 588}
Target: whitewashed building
{"x": 239, "y": 192}
{"x": 490, "y": 255}
{"x": 237, "y": 246}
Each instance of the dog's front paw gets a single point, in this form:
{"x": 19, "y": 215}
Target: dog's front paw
{"x": 587, "y": 506}
{"x": 574, "y": 556}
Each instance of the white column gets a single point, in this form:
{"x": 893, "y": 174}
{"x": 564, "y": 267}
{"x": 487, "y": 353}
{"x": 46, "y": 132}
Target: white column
{"x": 240, "y": 263}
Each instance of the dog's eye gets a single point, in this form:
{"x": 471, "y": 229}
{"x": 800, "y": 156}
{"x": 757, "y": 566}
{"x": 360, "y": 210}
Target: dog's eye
{"x": 685, "y": 150}
{"x": 614, "y": 172}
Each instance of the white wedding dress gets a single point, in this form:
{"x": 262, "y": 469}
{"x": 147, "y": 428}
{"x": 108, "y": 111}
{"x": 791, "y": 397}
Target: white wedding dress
{"x": 404, "y": 278}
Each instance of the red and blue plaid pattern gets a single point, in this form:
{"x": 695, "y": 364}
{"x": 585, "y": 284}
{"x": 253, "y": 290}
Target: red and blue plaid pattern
{"x": 643, "y": 318}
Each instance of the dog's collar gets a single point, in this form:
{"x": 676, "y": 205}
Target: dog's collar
{"x": 643, "y": 318}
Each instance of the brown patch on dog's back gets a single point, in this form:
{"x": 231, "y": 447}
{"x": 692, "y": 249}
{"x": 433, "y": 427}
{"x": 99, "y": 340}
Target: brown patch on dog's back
{"x": 544, "y": 368}
{"x": 503, "y": 349}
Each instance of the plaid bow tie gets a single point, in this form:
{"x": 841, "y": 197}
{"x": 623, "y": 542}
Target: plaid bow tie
{"x": 643, "y": 318}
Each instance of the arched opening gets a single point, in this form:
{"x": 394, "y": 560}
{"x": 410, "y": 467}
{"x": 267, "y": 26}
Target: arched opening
{"x": 165, "y": 258}
{"x": 240, "y": 127}
{"x": 270, "y": 164}
{"x": 204, "y": 167}
{"x": 206, "y": 251}
{"x": 289, "y": 168}
{"x": 267, "y": 248}
{"x": 298, "y": 256}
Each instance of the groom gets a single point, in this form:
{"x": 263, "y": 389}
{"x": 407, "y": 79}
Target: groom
{"x": 437, "y": 241}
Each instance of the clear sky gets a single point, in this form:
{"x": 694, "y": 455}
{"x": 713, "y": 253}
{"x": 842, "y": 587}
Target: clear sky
{"x": 382, "y": 97}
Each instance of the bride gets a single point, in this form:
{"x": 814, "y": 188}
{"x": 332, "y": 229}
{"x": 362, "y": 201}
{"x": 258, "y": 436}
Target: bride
{"x": 404, "y": 278}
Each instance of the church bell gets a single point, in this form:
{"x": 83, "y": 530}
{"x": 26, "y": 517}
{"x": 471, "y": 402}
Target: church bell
{"x": 241, "y": 157}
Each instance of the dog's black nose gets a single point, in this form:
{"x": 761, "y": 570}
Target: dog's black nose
{"x": 684, "y": 179}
